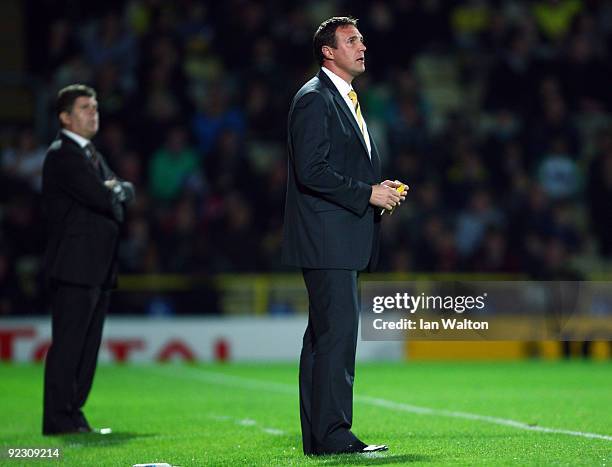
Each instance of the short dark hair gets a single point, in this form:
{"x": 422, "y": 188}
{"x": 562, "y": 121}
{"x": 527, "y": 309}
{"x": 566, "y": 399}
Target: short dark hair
{"x": 326, "y": 34}
{"x": 66, "y": 97}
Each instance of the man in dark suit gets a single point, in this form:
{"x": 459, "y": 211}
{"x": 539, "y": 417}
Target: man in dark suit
{"x": 332, "y": 219}
{"x": 83, "y": 204}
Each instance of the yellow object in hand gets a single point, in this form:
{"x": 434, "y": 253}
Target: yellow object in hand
{"x": 400, "y": 189}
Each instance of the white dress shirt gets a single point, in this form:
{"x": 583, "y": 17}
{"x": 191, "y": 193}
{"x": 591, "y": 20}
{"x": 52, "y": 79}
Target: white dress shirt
{"x": 76, "y": 138}
{"x": 344, "y": 88}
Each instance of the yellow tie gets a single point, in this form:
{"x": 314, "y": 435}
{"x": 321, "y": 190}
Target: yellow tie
{"x": 353, "y": 97}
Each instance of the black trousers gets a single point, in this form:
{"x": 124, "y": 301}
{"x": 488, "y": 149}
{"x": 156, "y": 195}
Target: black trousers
{"x": 327, "y": 362}
{"x": 77, "y": 321}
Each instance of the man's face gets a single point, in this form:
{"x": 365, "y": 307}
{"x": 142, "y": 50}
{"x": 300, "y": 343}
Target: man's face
{"x": 349, "y": 54}
{"x": 83, "y": 119}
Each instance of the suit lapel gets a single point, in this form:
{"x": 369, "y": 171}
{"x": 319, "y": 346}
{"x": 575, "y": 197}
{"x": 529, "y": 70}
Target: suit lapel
{"x": 107, "y": 173}
{"x": 68, "y": 140}
{"x": 105, "y": 169}
{"x": 375, "y": 158}
{"x": 341, "y": 103}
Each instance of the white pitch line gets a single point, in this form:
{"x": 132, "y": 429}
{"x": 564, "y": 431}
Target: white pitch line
{"x": 269, "y": 386}
{"x": 248, "y": 422}
{"x": 88, "y": 441}
{"x": 472, "y": 416}
{"x": 273, "y": 431}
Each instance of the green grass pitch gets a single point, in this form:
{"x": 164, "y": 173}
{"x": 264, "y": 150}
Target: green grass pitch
{"x": 428, "y": 414}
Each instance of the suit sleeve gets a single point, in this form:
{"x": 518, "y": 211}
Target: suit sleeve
{"x": 80, "y": 183}
{"x": 128, "y": 192}
{"x": 311, "y": 143}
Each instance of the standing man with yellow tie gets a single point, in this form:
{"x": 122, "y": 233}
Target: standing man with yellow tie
{"x": 331, "y": 230}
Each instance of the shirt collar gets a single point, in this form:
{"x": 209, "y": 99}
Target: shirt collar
{"x": 76, "y": 138}
{"x": 342, "y": 86}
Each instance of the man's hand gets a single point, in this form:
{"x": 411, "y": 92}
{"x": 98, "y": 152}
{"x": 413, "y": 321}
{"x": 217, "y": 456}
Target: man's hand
{"x": 128, "y": 192}
{"x": 385, "y": 196}
{"x": 110, "y": 184}
{"x": 400, "y": 188}
{"x": 124, "y": 191}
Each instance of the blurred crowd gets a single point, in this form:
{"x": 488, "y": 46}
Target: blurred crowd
{"x": 496, "y": 113}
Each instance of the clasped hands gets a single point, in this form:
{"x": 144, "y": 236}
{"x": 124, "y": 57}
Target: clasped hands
{"x": 123, "y": 190}
{"x": 388, "y": 194}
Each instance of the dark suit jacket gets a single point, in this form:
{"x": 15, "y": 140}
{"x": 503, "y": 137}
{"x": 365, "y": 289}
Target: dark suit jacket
{"x": 83, "y": 217}
{"x": 329, "y": 223}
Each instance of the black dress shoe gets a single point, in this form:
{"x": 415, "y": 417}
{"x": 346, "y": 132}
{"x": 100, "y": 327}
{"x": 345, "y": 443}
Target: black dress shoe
{"x": 360, "y": 446}
{"x": 76, "y": 431}
{"x": 61, "y": 431}
{"x": 375, "y": 448}
{"x": 80, "y": 422}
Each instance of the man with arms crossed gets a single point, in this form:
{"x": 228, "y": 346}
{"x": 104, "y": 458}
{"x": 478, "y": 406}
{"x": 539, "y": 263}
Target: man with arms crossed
{"x": 332, "y": 220}
{"x": 83, "y": 205}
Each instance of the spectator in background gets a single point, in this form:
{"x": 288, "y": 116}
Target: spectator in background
{"x": 558, "y": 172}
{"x": 511, "y": 80}
{"x": 161, "y": 109}
{"x": 493, "y": 255}
{"x": 554, "y": 17}
{"x": 235, "y": 237}
{"x": 112, "y": 96}
{"x": 134, "y": 249}
{"x": 113, "y": 141}
{"x": 435, "y": 247}
{"x": 555, "y": 262}
{"x": 408, "y": 129}
{"x": 111, "y": 43}
{"x": 129, "y": 167}
{"x": 229, "y": 168}
{"x": 565, "y": 218}
{"x": 62, "y": 45}
{"x": 473, "y": 222}
{"x": 466, "y": 173}
{"x": 18, "y": 216}
{"x": 214, "y": 116}
{"x": 502, "y": 151}
{"x": 25, "y": 159}
{"x": 174, "y": 167}
{"x": 585, "y": 77}
{"x": 74, "y": 69}
{"x": 273, "y": 197}
{"x": 259, "y": 99}
{"x": 11, "y": 295}
{"x": 555, "y": 125}
{"x": 242, "y": 22}
{"x": 600, "y": 194}
{"x": 469, "y": 20}
{"x": 294, "y": 38}
{"x": 180, "y": 228}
